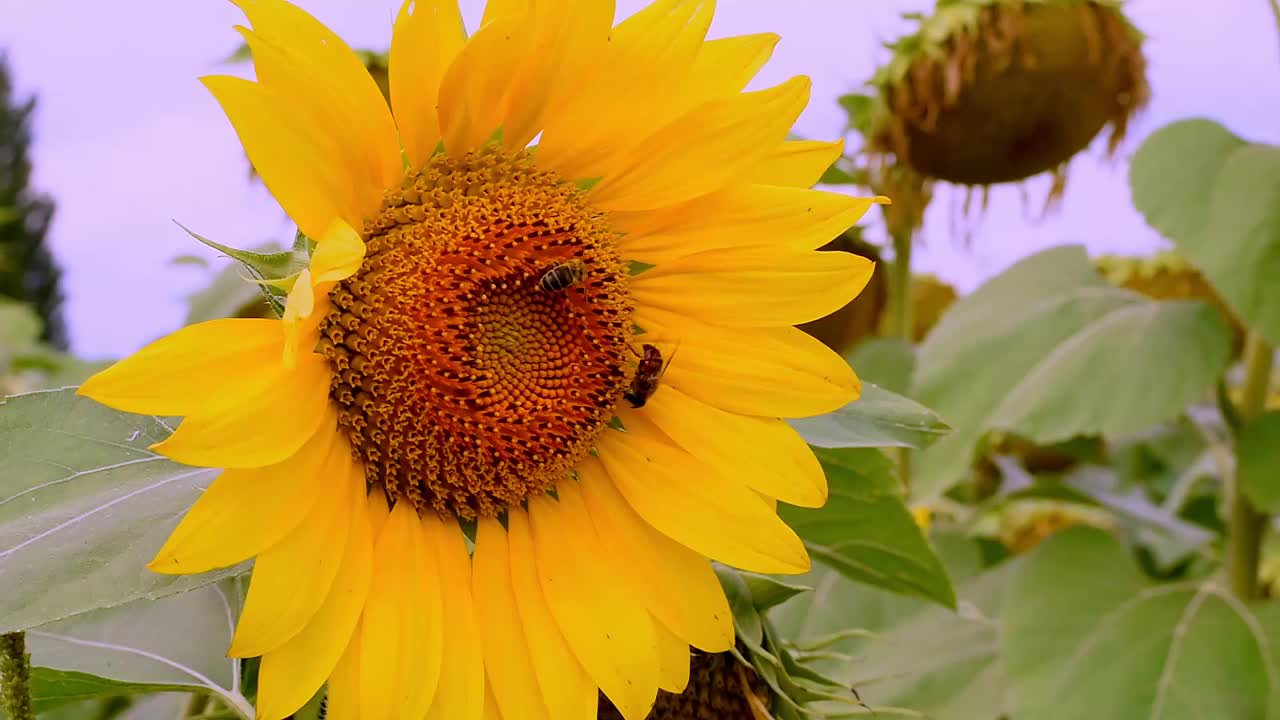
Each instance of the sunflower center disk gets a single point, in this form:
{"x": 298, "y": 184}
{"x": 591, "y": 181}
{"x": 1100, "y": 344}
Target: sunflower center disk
{"x": 467, "y": 378}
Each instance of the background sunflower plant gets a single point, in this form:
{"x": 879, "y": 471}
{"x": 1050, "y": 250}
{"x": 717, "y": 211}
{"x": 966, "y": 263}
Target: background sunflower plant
{"x": 1052, "y": 497}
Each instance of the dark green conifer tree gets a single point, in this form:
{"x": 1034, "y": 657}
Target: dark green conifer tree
{"x": 28, "y": 273}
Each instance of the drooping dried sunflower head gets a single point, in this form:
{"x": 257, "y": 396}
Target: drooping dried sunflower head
{"x": 993, "y": 91}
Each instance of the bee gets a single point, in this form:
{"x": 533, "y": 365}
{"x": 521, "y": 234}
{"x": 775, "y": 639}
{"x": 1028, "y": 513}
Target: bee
{"x": 562, "y": 276}
{"x": 645, "y": 382}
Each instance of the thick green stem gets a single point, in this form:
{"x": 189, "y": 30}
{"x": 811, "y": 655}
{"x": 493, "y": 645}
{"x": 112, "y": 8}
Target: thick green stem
{"x": 1275, "y": 10}
{"x": 15, "y": 677}
{"x": 902, "y": 326}
{"x": 900, "y": 285}
{"x": 1246, "y": 525}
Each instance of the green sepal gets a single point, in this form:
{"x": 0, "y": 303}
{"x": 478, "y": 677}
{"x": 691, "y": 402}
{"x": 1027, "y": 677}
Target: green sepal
{"x": 586, "y": 184}
{"x": 266, "y": 266}
{"x": 303, "y": 244}
{"x": 635, "y": 267}
{"x": 793, "y": 684}
{"x": 768, "y": 592}
{"x": 271, "y": 271}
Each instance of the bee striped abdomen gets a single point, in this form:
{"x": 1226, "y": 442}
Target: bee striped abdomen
{"x": 562, "y": 276}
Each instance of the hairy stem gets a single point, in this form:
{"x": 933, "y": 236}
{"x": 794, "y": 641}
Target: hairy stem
{"x": 1246, "y": 525}
{"x": 15, "y": 677}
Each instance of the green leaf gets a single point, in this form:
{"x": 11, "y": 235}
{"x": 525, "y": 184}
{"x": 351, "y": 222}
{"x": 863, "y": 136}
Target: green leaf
{"x": 858, "y": 107}
{"x": 84, "y": 505}
{"x": 227, "y": 295}
{"x": 1048, "y": 350}
{"x": 1218, "y": 199}
{"x": 887, "y": 362}
{"x": 1068, "y": 582}
{"x": 866, "y": 531}
{"x": 194, "y": 260}
{"x": 906, "y": 658}
{"x": 1258, "y": 461}
{"x": 835, "y": 175}
{"x": 176, "y": 643}
{"x": 1084, "y": 632}
{"x": 55, "y": 688}
{"x": 877, "y": 419}
{"x": 1149, "y": 350}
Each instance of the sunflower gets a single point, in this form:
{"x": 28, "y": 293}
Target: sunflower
{"x": 522, "y": 394}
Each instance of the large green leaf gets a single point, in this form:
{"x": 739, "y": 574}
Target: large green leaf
{"x": 1218, "y": 199}
{"x": 148, "y": 646}
{"x": 905, "y": 657}
{"x": 1049, "y": 350}
{"x": 877, "y": 419}
{"x": 887, "y": 362}
{"x": 55, "y": 688}
{"x": 866, "y": 532}
{"x": 1258, "y": 461}
{"x": 84, "y": 505}
{"x": 1086, "y": 637}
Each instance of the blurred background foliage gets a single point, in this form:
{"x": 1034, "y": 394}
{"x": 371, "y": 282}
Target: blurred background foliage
{"x": 1054, "y": 501}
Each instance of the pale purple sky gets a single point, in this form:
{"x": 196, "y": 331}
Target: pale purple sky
{"x": 127, "y": 139}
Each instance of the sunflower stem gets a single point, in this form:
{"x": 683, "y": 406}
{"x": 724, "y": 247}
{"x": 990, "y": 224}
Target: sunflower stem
{"x": 1275, "y": 10}
{"x": 900, "y": 285}
{"x": 1246, "y": 524}
{"x": 15, "y": 677}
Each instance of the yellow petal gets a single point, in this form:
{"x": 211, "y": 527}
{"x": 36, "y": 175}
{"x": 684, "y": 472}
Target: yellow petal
{"x": 566, "y": 688}
{"x": 673, "y": 660}
{"x": 725, "y": 66}
{"x": 474, "y": 91}
{"x": 610, "y": 634}
{"x": 200, "y": 366}
{"x": 796, "y": 163}
{"x": 344, "y": 683}
{"x": 630, "y": 95}
{"x": 293, "y": 577}
{"x": 261, "y": 430}
{"x": 704, "y": 150}
{"x": 402, "y": 635}
{"x": 460, "y": 694}
{"x": 379, "y": 510}
{"x": 428, "y": 35}
{"x": 754, "y": 287}
{"x": 334, "y": 84}
{"x": 566, "y": 39}
{"x": 765, "y": 454}
{"x": 293, "y": 672}
{"x": 338, "y": 254}
{"x": 770, "y": 372}
{"x": 740, "y": 216}
{"x": 694, "y": 505}
{"x": 495, "y": 9}
{"x": 491, "y": 711}
{"x": 245, "y": 512}
{"x": 508, "y": 664}
{"x": 303, "y": 169}
{"x": 298, "y": 308}
{"x": 656, "y": 566}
